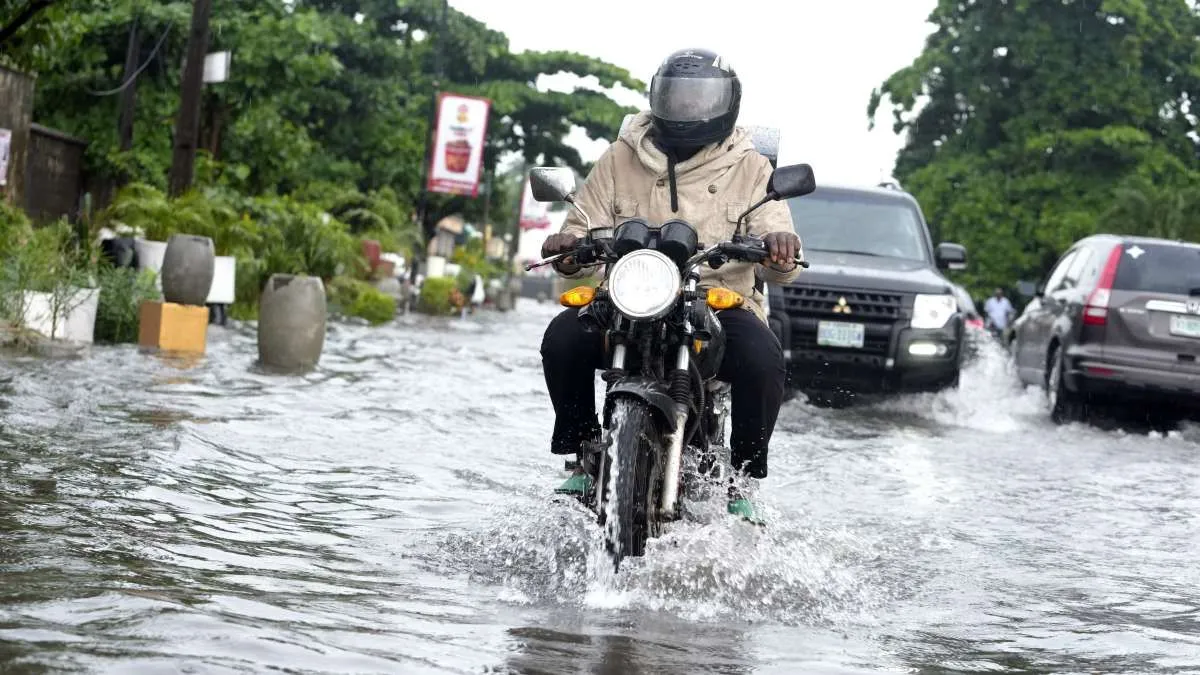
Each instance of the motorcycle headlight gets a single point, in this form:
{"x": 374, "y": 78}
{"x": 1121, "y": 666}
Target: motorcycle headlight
{"x": 933, "y": 311}
{"x": 644, "y": 284}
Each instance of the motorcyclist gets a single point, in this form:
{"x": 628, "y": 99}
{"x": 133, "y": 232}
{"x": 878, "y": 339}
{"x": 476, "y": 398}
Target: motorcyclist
{"x": 684, "y": 158}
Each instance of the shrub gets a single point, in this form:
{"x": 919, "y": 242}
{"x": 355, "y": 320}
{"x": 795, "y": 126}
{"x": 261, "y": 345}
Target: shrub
{"x": 435, "y": 296}
{"x": 47, "y": 260}
{"x": 122, "y": 291}
{"x": 354, "y": 297}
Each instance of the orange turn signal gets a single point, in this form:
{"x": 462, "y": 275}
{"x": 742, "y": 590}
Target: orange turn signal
{"x": 579, "y": 296}
{"x": 723, "y": 298}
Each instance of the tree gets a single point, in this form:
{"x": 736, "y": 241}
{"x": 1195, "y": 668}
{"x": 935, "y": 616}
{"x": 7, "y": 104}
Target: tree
{"x": 1035, "y": 113}
{"x": 321, "y": 92}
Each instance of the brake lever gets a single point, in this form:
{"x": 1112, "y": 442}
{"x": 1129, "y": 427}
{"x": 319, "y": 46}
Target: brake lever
{"x": 584, "y": 256}
{"x": 547, "y": 261}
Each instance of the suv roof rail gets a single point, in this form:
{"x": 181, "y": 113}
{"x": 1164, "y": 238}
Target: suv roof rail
{"x": 890, "y": 185}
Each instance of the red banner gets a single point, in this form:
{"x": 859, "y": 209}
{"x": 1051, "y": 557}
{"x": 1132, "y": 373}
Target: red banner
{"x": 456, "y": 166}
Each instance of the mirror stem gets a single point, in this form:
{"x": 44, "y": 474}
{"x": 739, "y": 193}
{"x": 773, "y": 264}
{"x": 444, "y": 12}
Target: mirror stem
{"x": 570, "y": 199}
{"x": 741, "y": 219}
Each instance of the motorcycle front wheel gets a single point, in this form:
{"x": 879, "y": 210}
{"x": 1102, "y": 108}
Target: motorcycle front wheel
{"x": 629, "y": 474}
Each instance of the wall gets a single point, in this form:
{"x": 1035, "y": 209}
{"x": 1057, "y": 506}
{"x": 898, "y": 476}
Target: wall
{"x": 16, "y": 114}
{"x": 53, "y": 174}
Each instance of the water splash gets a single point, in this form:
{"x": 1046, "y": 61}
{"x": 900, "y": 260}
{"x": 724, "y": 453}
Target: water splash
{"x": 989, "y": 397}
{"x": 709, "y": 567}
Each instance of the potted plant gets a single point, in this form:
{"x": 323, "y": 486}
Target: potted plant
{"x": 49, "y": 288}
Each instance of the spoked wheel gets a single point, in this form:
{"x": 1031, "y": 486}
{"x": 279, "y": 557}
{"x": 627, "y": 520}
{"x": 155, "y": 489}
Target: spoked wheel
{"x": 629, "y": 479}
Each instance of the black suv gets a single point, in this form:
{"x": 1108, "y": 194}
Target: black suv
{"x": 873, "y": 314}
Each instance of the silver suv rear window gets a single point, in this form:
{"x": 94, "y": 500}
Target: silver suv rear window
{"x": 1159, "y": 268}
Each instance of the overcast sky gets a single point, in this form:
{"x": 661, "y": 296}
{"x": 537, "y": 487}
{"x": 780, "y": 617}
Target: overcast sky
{"x": 807, "y": 66}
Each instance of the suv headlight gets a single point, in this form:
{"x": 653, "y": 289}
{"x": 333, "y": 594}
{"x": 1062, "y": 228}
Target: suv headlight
{"x": 933, "y": 311}
{"x": 644, "y": 284}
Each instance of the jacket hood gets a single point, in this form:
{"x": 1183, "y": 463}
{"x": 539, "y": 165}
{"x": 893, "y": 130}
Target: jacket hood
{"x": 715, "y": 156}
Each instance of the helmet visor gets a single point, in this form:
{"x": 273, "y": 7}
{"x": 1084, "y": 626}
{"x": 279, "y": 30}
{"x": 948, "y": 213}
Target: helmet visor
{"x": 691, "y": 99}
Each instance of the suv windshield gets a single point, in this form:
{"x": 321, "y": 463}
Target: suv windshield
{"x": 851, "y": 222}
{"x": 1159, "y": 268}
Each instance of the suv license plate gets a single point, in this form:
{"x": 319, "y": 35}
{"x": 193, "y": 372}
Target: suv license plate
{"x": 1185, "y": 326}
{"x": 838, "y": 334}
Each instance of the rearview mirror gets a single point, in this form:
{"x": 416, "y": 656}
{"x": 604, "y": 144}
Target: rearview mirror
{"x": 951, "y": 256}
{"x": 552, "y": 184}
{"x": 795, "y": 180}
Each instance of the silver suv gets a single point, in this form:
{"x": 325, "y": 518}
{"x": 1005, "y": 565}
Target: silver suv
{"x": 1116, "y": 320}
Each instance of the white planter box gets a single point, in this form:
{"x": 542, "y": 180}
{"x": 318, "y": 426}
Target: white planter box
{"x": 452, "y": 270}
{"x": 224, "y": 281}
{"x": 150, "y": 257}
{"x": 77, "y": 317}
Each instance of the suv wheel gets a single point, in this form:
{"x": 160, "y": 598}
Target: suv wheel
{"x": 1065, "y": 405}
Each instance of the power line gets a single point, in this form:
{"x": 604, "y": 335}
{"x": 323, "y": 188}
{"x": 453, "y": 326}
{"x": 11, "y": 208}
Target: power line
{"x": 137, "y": 72}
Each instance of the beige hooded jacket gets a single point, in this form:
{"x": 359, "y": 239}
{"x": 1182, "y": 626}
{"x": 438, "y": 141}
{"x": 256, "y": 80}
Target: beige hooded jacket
{"x": 713, "y": 187}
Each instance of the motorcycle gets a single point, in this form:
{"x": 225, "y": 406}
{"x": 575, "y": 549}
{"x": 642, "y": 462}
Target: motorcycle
{"x": 663, "y": 406}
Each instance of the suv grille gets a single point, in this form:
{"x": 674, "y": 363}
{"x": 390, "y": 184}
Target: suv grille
{"x": 862, "y": 305}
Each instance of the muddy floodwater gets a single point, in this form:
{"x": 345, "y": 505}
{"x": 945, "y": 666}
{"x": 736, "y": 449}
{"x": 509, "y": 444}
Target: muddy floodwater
{"x": 392, "y": 512}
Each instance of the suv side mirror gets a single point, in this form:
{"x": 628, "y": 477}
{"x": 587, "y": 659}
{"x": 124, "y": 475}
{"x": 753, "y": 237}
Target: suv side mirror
{"x": 795, "y": 180}
{"x": 951, "y": 256}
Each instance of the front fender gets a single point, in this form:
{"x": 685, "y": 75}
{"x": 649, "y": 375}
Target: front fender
{"x": 651, "y": 392}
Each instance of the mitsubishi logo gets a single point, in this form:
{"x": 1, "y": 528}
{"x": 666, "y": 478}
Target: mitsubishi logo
{"x": 841, "y": 307}
{"x": 1193, "y": 306}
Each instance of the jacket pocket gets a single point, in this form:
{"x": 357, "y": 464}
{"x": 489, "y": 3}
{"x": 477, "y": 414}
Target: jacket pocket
{"x": 733, "y": 210}
{"x": 624, "y": 207}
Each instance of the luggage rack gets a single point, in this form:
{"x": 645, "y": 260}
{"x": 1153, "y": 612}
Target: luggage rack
{"x": 890, "y": 185}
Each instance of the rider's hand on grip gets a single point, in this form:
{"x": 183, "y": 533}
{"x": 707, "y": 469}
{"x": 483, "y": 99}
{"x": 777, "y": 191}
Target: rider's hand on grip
{"x": 782, "y": 248}
{"x": 559, "y": 243}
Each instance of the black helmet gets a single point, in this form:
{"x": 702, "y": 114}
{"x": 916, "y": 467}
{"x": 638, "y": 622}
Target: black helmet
{"x": 694, "y": 98}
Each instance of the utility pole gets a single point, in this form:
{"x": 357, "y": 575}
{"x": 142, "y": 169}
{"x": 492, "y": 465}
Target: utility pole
{"x": 423, "y": 199}
{"x": 187, "y": 124}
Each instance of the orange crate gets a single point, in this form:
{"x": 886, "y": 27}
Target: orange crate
{"x": 171, "y": 327}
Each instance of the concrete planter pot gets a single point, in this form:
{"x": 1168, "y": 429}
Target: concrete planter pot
{"x": 291, "y": 322}
{"x": 76, "y": 320}
{"x": 150, "y": 257}
{"x": 187, "y": 269}
{"x": 224, "y": 281}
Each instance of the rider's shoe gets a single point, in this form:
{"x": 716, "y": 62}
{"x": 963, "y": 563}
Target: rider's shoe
{"x": 579, "y": 484}
{"x": 744, "y": 508}
{"x": 740, "y": 505}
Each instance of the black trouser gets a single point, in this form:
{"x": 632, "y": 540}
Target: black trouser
{"x": 753, "y": 366}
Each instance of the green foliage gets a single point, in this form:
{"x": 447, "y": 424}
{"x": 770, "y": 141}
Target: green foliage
{"x": 322, "y": 92}
{"x": 355, "y": 297}
{"x": 1046, "y": 122}
{"x": 46, "y": 260}
{"x": 435, "y": 296}
{"x": 473, "y": 259}
{"x": 122, "y": 291}
{"x": 208, "y": 212}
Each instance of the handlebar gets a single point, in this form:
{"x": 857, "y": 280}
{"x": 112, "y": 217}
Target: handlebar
{"x": 744, "y": 248}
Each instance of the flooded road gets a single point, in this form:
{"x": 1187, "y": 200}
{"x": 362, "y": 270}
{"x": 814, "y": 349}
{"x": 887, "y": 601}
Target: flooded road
{"x": 392, "y": 512}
